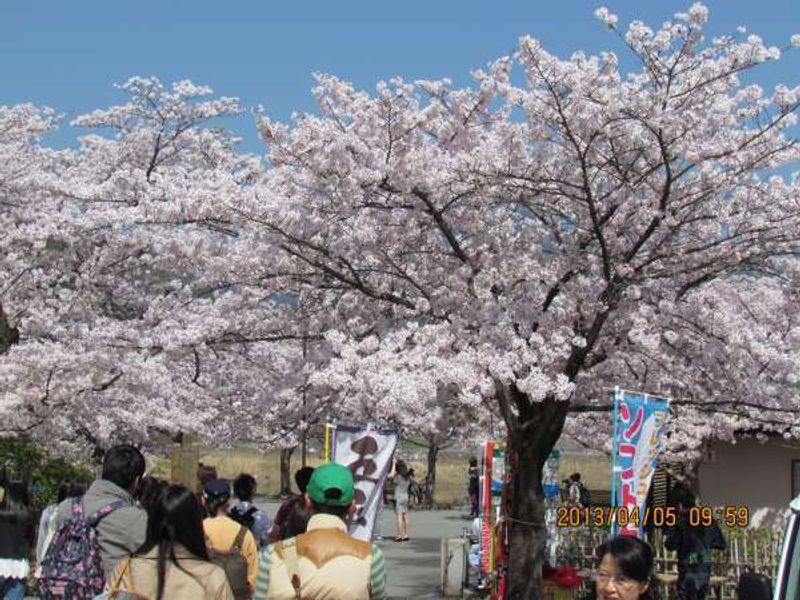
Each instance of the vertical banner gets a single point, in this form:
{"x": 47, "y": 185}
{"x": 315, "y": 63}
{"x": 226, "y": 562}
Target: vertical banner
{"x": 367, "y": 452}
{"x": 487, "y": 457}
{"x": 551, "y": 489}
{"x": 491, "y": 493}
{"x": 638, "y": 426}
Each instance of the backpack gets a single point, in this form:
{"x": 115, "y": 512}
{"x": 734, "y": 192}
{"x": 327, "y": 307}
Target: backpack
{"x": 246, "y": 518}
{"x": 584, "y": 495}
{"x": 49, "y": 530}
{"x": 234, "y": 564}
{"x": 72, "y": 568}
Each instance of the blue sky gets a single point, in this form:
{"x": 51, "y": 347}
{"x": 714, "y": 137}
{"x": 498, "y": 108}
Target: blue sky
{"x": 68, "y": 55}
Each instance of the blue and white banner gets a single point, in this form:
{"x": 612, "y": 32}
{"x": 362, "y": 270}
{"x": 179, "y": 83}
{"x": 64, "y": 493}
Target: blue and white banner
{"x": 367, "y": 452}
{"x": 638, "y": 426}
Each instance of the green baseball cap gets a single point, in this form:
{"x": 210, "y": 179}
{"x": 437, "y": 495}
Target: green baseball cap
{"x": 332, "y": 485}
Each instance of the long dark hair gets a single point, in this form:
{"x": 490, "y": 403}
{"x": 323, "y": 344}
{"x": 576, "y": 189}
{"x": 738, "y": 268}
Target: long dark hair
{"x": 149, "y": 491}
{"x": 15, "y": 506}
{"x": 174, "y": 518}
{"x": 635, "y": 559}
{"x": 69, "y": 489}
{"x": 401, "y": 468}
{"x": 302, "y": 476}
{"x": 296, "y": 520}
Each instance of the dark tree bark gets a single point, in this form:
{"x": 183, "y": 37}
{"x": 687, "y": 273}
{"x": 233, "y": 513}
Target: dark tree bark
{"x": 286, "y": 471}
{"x": 8, "y": 335}
{"x": 532, "y": 434}
{"x": 433, "y": 455}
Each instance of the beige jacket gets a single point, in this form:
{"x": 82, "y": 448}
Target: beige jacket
{"x": 221, "y": 532}
{"x": 331, "y": 564}
{"x": 199, "y": 579}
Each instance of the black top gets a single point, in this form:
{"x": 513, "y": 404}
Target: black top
{"x": 693, "y": 543}
{"x": 15, "y": 539}
{"x": 474, "y": 475}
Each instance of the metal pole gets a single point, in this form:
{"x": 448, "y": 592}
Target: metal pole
{"x": 614, "y": 461}
{"x": 305, "y": 414}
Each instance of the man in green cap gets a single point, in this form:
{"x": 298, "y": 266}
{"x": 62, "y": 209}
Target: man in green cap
{"x": 323, "y": 562}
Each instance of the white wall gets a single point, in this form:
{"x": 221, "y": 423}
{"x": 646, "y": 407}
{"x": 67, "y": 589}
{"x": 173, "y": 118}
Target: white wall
{"x": 749, "y": 473}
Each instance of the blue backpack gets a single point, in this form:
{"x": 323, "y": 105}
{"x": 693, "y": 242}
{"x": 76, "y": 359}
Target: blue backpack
{"x": 72, "y": 568}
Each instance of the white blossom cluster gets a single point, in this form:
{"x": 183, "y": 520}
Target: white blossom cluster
{"x": 458, "y": 261}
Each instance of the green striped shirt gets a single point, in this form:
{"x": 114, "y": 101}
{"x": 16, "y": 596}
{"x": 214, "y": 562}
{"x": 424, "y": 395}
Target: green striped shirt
{"x": 262, "y": 581}
{"x": 377, "y": 575}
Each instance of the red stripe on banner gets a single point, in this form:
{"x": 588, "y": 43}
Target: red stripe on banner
{"x": 627, "y": 450}
{"x": 486, "y": 508}
{"x": 636, "y": 425}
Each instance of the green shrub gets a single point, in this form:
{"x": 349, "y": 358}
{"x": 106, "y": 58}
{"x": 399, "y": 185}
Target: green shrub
{"x": 27, "y": 461}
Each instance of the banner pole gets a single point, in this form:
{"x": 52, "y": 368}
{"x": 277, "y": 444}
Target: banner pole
{"x": 614, "y": 461}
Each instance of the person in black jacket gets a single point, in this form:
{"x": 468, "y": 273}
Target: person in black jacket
{"x": 16, "y": 539}
{"x": 693, "y": 545}
{"x": 473, "y": 487}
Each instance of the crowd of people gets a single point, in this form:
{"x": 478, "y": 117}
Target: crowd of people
{"x": 131, "y": 536}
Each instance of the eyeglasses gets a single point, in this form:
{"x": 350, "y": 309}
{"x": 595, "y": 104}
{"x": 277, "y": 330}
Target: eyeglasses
{"x": 619, "y": 581}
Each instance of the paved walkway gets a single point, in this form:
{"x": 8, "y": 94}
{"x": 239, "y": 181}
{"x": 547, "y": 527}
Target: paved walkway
{"x": 413, "y": 567}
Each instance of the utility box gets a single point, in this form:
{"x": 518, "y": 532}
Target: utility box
{"x": 455, "y": 566}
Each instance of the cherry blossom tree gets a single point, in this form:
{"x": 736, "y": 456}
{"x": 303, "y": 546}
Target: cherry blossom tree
{"x": 563, "y": 233}
{"x": 410, "y": 379}
{"x": 449, "y": 255}
{"x": 22, "y": 161}
{"x": 138, "y": 315}
{"x": 747, "y": 333}
{"x": 110, "y": 278}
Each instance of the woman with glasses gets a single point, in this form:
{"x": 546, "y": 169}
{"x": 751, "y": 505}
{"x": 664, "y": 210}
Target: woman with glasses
{"x": 625, "y": 570}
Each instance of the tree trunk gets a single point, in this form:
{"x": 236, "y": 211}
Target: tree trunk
{"x": 527, "y": 534}
{"x": 430, "y": 488}
{"x": 532, "y": 435}
{"x": 286, "y": 471}
{"x": 8, "y": 335}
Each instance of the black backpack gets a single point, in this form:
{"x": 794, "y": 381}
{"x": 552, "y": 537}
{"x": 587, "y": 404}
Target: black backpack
{"x": 246, "y": 518}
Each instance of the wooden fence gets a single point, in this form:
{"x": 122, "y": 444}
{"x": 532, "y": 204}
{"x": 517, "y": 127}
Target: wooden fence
{"x": 749, "y": 550}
